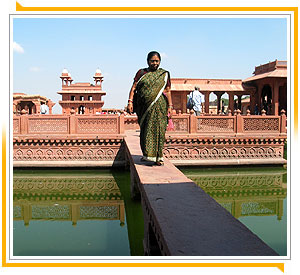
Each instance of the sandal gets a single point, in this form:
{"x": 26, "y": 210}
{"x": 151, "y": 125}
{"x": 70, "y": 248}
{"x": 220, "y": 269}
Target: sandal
{"x": 159, "y": 163}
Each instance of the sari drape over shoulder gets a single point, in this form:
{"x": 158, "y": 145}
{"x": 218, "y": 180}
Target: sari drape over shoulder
{"x": 152, "y": 111}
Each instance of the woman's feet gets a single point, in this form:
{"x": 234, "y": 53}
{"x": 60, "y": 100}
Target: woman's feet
{"x": 159, "y": 163}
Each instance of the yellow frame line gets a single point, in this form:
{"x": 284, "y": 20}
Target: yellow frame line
{"x": 19, "y": 7}
{"x": 280, "y": 266}
{"x": 3, "y": 196}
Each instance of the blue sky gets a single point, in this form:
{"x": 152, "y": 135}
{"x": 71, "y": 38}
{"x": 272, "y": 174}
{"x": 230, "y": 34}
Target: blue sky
{"x": 190, "y": 47}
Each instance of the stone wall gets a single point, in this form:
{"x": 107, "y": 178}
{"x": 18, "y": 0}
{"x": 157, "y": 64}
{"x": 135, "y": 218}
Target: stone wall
{"x": 79, "y": 140}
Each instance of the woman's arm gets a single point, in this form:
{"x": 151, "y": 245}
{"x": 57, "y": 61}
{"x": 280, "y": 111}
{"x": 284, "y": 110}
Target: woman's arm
{"x": 130, "y": 99}
{"x": 167, "y": 92}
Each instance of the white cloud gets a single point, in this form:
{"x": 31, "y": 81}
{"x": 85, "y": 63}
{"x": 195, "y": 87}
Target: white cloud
{"x": 17, "y": 48}
{"x": 34, "y": 69}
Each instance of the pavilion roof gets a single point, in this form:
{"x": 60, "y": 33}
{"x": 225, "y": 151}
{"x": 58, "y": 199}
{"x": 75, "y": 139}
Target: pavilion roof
{"x": 272, "y": 69}
{"x": 275, "y": 73}
{"x": 28, "y": 97}
{"x": 211, "y": 86}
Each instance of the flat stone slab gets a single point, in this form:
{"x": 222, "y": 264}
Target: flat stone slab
{"x": 187, "y": 220}
{"x": 191, "y": 223}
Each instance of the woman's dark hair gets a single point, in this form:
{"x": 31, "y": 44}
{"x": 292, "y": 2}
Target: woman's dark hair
{"x": 153, "y": 53}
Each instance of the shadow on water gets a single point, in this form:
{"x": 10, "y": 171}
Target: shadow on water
{"x": 134, "y": 213}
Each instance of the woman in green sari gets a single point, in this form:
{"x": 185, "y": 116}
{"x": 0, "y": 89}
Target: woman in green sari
{"x": 153, "y": 106}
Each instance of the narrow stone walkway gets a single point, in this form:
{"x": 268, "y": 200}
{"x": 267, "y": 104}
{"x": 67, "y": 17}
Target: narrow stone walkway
{"x": 151, "y": 174}
{"x": 180, "y": 218}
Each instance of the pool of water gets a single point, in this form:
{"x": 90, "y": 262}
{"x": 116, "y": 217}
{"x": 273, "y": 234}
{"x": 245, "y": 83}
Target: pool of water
{"x": 90, "y": 212}
{"x": 255, "y": 196}
{"x": 75, "y": 213}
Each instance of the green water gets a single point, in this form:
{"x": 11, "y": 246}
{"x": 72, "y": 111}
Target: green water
{"x": 75, "y": 213}
{"x": 255, "y": 196}
{"x": 90, "y": 212}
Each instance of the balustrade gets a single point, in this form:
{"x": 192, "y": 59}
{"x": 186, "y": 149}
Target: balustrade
{"x": 116, "y": 124}
{"x": 68, "y": 125}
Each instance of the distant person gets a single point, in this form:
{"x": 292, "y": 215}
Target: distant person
{"x": 43, "y": 108}
{"x": 197, "y": 100}
{"x": 150, "y": 98}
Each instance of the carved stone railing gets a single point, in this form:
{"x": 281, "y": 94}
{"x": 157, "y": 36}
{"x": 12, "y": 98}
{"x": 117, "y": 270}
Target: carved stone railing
{"x": 68, "y": 125}
{"x": 131, "y": 122}
{"x": 117, "y": 124}
{"x": 219, "y": 125}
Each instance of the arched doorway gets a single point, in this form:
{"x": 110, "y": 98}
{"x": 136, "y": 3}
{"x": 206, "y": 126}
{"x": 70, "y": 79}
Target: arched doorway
{"x": 266, "y": 99}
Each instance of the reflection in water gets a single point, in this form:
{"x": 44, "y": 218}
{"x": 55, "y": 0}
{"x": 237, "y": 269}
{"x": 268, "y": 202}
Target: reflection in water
{"x": 67, "y": 199}
{"x": 256, "y": 197}
{"x": 49, "y": 204}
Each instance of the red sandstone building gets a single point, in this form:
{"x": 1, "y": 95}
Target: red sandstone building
{"x": 267, "y": 89}
{"x": 81, "y": 98}
{"x": 31, "y": 104}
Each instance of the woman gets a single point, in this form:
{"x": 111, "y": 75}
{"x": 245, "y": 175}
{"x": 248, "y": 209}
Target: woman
{"x": 153, "y": 107}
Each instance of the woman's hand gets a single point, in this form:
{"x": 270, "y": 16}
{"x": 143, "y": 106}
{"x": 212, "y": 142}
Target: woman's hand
{"x": 170, "y": 110}
{"x": 130, "y": 107}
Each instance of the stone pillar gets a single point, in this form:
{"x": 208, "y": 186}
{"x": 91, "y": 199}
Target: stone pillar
{"x": 184, "y": 100}
{"x": 38, "y": 107}
{"x": 193, "y": 122}
{"x": 50, "y": 104}
{"x": 258, "y": 98}
{"x": 74, "y": 214}
{"x": 24, "y": 122}
{"x": 231, "y": 101}
{"x": 239, "y": 102}
{"x": 72, "y": 118}
{"x": 239, "y": 121}
{"x": 283, "y": 122}
{"x": 26, "y": 214}
{"x": 121, "y": 123}
{"x": 279, "y": 209}
{"x": 252, "y": 103}
{"x": 122, "y": 213}
{"x": 206, "y": 103}
{"x": 237, "y": 208}
{"x": 219, "y": 95}
{"x": 275, "y": 97}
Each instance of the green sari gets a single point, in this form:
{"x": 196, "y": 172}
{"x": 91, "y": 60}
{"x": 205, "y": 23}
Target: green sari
{"x": 152, "y": 111}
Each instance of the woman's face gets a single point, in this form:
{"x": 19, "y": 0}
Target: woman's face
{"x": 153, "y": 63}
